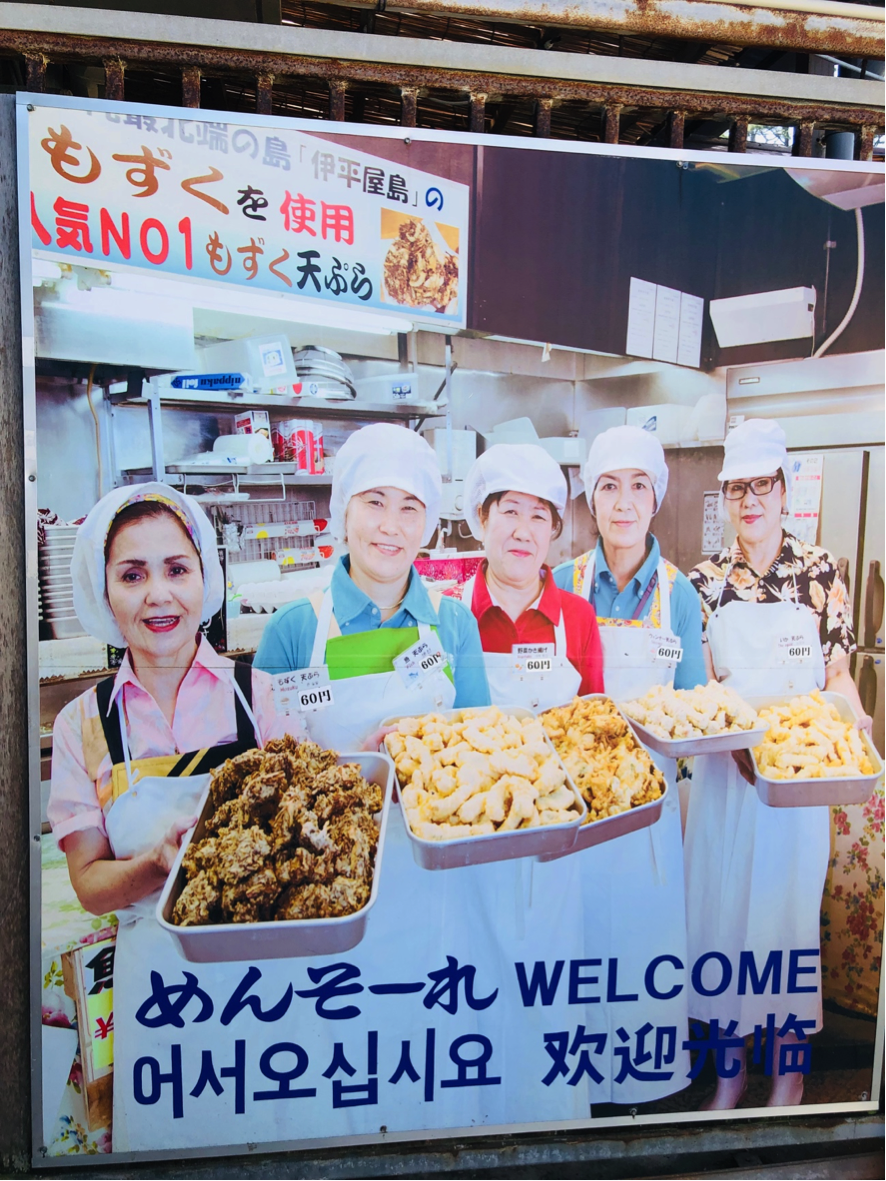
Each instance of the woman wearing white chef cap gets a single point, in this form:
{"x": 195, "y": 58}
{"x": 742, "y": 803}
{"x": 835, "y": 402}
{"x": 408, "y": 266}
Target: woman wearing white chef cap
{"x": 541, "y": 645}
{"x": 755, "y": 874}
{"x": 646, "y": 612}
{"x": 386, "y": 489}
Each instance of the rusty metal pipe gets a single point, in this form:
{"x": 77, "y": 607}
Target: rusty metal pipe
{"x": 35, "y": 72}
{"x": 264, "y": 94}
{"x": 338, "y": 88}
{"x": 114, "y": 70}
{"x": 408, "y": 106}
{"x": 611, "y": 122}
{"x": 543, "y": 108}
{"x": 191, "y": 87}
{"x": 738, "y": 134}
{"x": 803, "y": 139}
{"x": 478, "y": 111}
{"x": 676, "y": 128}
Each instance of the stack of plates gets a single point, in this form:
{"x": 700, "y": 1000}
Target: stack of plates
{"x": 56, "y": 584}
{"x": 322, "y": 373}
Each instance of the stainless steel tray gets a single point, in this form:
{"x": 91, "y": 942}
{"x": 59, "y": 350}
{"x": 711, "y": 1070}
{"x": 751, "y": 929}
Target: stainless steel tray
{"x": 812, "y": 793}
{"x": 684, "y": 748}
{"x": 497, "y": 846}
{"x": 597, "y": 832}
{"x": 225, "y": 942}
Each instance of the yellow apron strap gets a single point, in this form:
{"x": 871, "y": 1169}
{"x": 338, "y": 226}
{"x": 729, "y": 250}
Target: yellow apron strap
{"x": 315, "y": 598}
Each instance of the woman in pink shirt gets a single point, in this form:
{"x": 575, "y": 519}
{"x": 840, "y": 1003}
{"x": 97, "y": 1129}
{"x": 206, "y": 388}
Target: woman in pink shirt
{"x": 130, "y": 756}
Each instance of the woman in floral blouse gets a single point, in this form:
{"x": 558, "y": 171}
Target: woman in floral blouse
{"x": 755, "y": 874}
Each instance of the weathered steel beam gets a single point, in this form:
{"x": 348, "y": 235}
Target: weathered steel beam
{"x": 338, "y": 88}
{"x": 24, "y": 28}
{"x": 844, "y": 28}
{"x": 611, "y": 122}
{"x": 738, "y": 134}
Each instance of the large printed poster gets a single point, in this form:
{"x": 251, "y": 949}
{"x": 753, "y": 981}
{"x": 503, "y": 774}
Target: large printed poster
{"x": 547, "y": 898}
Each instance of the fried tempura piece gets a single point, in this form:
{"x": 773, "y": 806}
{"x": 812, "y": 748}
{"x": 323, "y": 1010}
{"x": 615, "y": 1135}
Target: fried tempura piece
{"x": 240, "y": 852}
{"x": 198, "y": 902}
{"x": 250, "y": 901}
{"x": 340, "y": 897}
{"x": 230, "y": 814}
{"x": 228, "y": 779}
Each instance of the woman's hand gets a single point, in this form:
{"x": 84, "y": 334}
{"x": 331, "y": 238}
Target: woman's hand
{"x": 164, "y": 854}
{"x": 745, "y": 765}
{"x": 375, "y": 739}
{"x": 866, "y": 723}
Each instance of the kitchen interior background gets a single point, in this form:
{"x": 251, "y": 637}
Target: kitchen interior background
{"x": 483, "y": 381}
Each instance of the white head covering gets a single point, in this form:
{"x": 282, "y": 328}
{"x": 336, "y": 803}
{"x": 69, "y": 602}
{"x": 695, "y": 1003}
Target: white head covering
{"x": 88, "y": 562}
{"x": 386, "y": 456}
{"x": 626, "y": 447}
{"x": 757, "y": 447}
{"x": 513, "y": 467}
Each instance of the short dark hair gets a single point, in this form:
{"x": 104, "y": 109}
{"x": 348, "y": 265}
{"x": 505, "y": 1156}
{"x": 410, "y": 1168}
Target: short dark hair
{"x": 495, "y": 497}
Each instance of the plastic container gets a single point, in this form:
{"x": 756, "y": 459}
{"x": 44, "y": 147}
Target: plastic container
{"x": 814, "y": 793}
{"x": 226, "y": 942}
{"x": 685, "y": 748}
{"x": 497, "y": 846}
{"x": 597, "y": 832}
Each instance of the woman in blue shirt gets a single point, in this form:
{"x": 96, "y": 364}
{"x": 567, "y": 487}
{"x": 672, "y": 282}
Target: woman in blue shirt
{"x": 646, "y": 609}
{"x": 376, "y": 608}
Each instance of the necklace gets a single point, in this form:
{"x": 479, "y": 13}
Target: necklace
{"x": 387, "y": 612}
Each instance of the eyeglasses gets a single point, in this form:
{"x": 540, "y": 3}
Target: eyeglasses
{"x": 762, "y": 486}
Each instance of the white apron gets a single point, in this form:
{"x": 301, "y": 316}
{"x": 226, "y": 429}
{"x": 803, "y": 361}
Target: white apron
{"x": 754, "y": 874}
{"x": 535, "y": 908}
{"x": 633, "y": 886}
{"x": 538, "y": 691}
{"x": 136, "y": 823}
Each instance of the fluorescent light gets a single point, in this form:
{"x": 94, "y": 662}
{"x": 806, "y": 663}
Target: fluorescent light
{"x": 291, "y": 308}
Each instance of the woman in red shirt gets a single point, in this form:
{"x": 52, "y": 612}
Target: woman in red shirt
{"x": 541, "y": 644}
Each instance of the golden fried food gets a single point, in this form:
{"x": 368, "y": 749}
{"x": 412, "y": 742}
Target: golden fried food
{"x": 489, "y": 772}
{"x": 807, "y": 739}
{"x": 691, "y": 713}
{"x": 292, "y": 836}
{"x": 416, "y": 273}
{"x": 606, "y": 763}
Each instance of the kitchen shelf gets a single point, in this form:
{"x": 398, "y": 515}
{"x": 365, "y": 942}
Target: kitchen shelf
{"x": 213, "y": 400}
{"x": 246, "y": 473}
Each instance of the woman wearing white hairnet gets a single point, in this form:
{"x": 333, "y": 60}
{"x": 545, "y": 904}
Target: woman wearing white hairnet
{"x": 146, "y": 574}
{"x": 515, "y": 495}
{"x": 384, "y": 505}
{"x": 646, "y": 609}
{"x": 131, "y": 756}
{"x": 755, "y": 874}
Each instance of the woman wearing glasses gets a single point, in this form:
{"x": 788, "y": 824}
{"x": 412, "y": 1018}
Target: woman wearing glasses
{"x": 755, "y": 874}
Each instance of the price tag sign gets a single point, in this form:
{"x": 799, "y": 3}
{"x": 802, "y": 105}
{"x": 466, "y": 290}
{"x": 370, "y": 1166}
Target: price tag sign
{"x": 533, "y": 658}
{"x": 665, "y": 649}
{"x": 419, "y": 662}
{"x": 302, "y": 691}
{"x": 793, "y": 650}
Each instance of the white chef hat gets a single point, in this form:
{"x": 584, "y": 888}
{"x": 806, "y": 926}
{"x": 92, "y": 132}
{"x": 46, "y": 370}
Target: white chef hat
{"x": 513, "y": 467}
{"x": 88, "y": 562}
{"x": 385, "y": 455}
{"x": 756, "y": 447}
{"x": 626, "y": 447}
